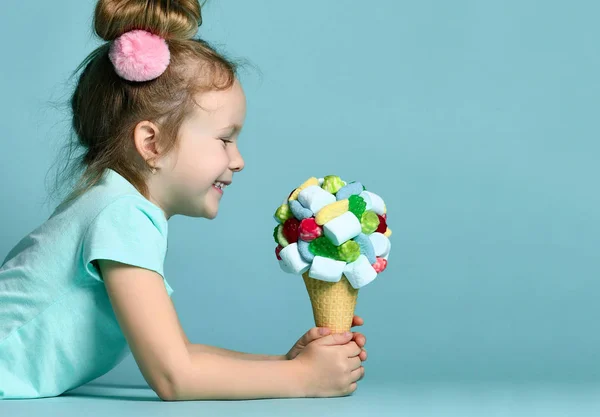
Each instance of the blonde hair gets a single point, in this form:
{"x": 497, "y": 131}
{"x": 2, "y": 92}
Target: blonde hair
{"x": 106, "y": 108}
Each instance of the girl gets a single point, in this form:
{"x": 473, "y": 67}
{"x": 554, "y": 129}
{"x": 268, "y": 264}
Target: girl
{"x": 157, "y": 115}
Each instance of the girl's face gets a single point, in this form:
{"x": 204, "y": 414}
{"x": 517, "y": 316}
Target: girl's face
{"x": 194, "y": 176}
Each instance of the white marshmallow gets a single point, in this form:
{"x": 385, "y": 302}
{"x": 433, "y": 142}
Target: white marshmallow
{"x": 285, "y": 268}
{"x": 381, "y": 244}
{"x": 326, "y": 269}
{"x": 360, "y": 272}
{"x": 292, "y": 261}
{"x": 342, "y": 228}
{"x": 315, "y": 198}
{"x": 377, "y": 204}
{"x": 321, "y": 180}
{"x": 367, "y": 199}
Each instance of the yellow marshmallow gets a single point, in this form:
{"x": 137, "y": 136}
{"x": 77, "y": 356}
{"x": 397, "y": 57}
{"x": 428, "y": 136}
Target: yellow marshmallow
{"x": 388, "y": 232}
{"x": 331, "y": 211}
{"x": 308, "y": 183}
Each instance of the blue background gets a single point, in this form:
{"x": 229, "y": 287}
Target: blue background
{"x": 475, "y": 120}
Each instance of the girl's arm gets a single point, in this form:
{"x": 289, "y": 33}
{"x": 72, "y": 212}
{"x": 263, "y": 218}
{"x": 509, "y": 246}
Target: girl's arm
{"x": 149, "y": 322}
{"x": 197, "y": 348}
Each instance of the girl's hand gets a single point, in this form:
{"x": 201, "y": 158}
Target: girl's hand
{"x": 318, "y": 332}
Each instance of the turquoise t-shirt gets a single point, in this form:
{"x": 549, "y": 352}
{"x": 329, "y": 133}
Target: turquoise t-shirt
{"x": 57, "y": 327}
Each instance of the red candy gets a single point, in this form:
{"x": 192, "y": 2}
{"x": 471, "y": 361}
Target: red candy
{"x": 290, "y": 229}
{"x": 277, "y": 250}
{"x": 382, "y": 225}
{"x": 384, "y": 216}
{"x": 380, "y": 265}
{"x": 310, "y": 230}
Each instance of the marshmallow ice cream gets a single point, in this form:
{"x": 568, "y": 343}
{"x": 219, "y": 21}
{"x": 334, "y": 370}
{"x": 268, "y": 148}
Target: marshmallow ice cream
{"x": 335, "y": 235}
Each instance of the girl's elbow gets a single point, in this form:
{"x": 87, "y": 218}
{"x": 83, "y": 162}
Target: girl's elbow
{"x": 165, "y": 390}
{"x": 168, "y": 385}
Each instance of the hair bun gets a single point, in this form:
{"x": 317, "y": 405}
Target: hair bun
{"x": 169, "y": 19}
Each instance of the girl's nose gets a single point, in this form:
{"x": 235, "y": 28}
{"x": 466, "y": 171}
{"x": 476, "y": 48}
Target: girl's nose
{"x": 237, "y": 162}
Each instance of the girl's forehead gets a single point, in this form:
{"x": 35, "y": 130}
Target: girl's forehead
{"x": 229, "y": 104}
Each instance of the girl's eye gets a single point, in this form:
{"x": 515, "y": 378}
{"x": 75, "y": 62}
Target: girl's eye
{"x": 225, "y": 141}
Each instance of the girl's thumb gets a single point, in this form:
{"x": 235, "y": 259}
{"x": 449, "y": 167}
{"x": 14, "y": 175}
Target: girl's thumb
{"x": 336, "y": 339}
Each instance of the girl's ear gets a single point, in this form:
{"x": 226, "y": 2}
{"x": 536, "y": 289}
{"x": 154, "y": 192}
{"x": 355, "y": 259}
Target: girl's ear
{"x": 145, "y": 138}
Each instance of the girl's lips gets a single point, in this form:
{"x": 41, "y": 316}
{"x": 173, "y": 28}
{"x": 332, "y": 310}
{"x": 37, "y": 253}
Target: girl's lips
{"x": 218, "y": 189}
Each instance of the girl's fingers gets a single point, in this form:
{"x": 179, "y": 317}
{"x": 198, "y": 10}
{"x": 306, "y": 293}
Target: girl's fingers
{"x": 357, "y": 321}
{"x": 357, "y": 374}
{"x": 352, "y": 349}
{"x": 359, "y": 338}
{"x": 355, "y": 363}
{"x": 314, "y": 334}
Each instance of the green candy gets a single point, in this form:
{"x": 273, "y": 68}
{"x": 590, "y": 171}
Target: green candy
{"x": 369, "y": 222}
{"x": 332, "y": 184}
{"x": 357, "y": 205}
{"x": 322, "y": 246}
{"x": 283, "y": 213}
{"x": 279, "y": 237}
{"x": 349, "y": 251}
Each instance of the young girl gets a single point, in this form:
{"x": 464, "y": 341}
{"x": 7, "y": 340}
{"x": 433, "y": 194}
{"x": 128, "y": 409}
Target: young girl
{"x": 157, "y": 115}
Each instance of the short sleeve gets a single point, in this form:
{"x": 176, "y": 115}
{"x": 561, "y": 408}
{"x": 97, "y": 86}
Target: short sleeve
{"x": 129, "y": 230}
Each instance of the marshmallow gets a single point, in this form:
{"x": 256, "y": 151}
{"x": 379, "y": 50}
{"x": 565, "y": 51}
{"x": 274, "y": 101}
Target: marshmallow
{"x": 377, "y": 204}
{"x": 367, "y": 199}
{"x": 321, "y": 181}
{"x": 360, "y": 272}
{"x": 366, "y": 247}
{"x": 290, "y": 256}
{"x": 326, "y": 269}
{"x": 315, "y": 198}
{"x": 309, "y": 182}
{"x": 342, "y": 228}
{"x": 348, "y": 190}
{"x": 299, "y": 211}
{"x": 381, "y": 244}
{"x": 331, "y": 211}
{"x": 285, "y": 267}
{"x": 306, "y": 254}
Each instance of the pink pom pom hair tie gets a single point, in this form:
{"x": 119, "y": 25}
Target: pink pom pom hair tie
{"x": 139, "y": 55}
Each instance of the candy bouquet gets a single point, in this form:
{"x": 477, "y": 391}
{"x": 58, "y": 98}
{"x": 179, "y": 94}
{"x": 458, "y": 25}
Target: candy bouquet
{"x": 335, "y": 235}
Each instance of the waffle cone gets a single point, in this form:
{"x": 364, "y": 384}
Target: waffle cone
{"x": 333, "y": 303}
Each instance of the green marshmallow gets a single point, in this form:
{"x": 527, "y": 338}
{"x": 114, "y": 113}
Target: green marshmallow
{"x": 357, "y": 205}
{"x": 283, "y": 213}
{"x": 332, "y": 184}
{"x": 322, "y": 246}
{"x": 279, "y": 237}
{"x": 369, "y": 222}
{"x": 349, "y": 251}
